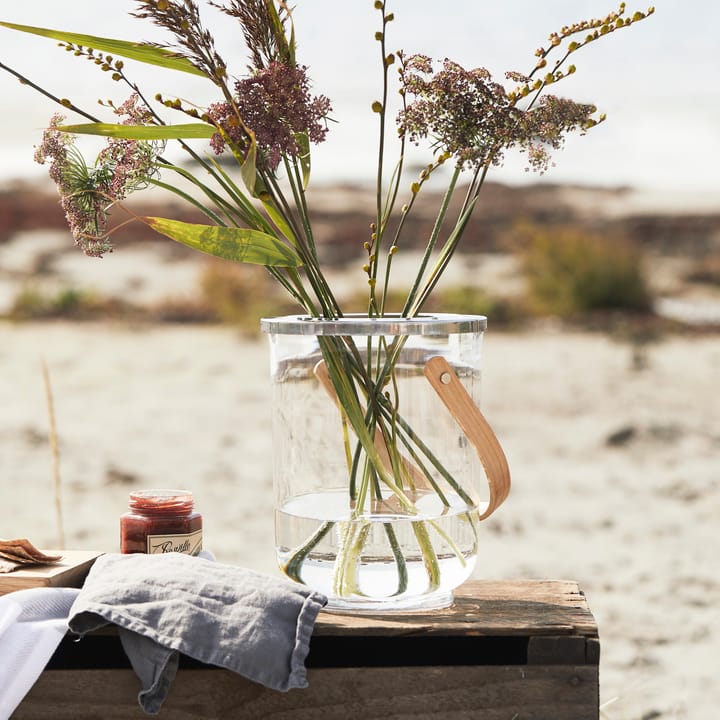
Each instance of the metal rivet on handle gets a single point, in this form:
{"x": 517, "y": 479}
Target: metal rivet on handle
{"x": 445, "y": 378}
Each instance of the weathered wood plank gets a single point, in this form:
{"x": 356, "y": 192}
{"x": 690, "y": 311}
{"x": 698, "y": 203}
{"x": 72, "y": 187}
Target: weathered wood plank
{"x": 427, "y": 693}
{"x": 527, "y": 650}
{"x": 71, "y": 571}
{"x": 562, "y": 650}
{"x": 592, "y": 649}
{"x": 482, "y": 607}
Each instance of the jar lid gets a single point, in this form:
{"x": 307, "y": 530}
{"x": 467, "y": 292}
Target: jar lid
{"x": 161, "y": 500}
{"x": 391, "y": 324}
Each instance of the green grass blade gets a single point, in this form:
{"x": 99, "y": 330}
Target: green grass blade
{"x": 303, "y": 142}
{"x": 253, "y": 218}
{"x": 237, "y": 244}
{"x": 142, "y": 132}
{"x": 248, "y": 170}
{"x": 141, "y": 52}
{"x": 278, "y": 220}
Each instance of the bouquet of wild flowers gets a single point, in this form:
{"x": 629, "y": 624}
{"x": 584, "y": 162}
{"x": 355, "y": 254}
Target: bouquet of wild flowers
{"x": 267, "y": 119}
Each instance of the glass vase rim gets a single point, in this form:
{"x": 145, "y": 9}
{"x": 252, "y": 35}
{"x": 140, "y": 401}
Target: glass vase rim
{"x": 361, "y": 324}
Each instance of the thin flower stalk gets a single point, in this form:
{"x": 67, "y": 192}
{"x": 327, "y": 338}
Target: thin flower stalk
{"x": 379, "y": 107}
{"x": 432, "y": 241}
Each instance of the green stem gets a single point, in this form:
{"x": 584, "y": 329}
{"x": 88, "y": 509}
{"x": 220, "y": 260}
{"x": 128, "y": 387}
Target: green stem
{"x": 295, "y": 181}
{"x": 444, "y": 257}
{"x": 193, "y": 201}
{"x": 432, "y": 566}
{"x": 450, "y": 542}
{"x": 410, "y": 440}
{"x": 407, "y": 309}
{"x": 293, "y": 567}
{"x": 346, "y": 562}
{"x": 247, "y": 209}
{"x": 379, "y": 215}
{"x": 399, "y": 559}
{"x": 293, "y": 285}
{"x": 347, "y": 397}
{"x": 314, "y": 274}
{"x": 62, "y": 102}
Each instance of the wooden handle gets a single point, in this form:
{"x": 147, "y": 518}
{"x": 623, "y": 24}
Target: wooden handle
{"x": 468, "y": 417}
{"x": 414, "y": 473}
{"x": 475, "y": 427}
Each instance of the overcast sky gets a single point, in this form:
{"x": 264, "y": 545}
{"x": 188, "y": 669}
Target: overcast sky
{"x": 656, "y": 81}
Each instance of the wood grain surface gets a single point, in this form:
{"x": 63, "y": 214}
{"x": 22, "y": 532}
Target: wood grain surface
{"x": 505, "y": 650}
{"x": 68, "y": 572}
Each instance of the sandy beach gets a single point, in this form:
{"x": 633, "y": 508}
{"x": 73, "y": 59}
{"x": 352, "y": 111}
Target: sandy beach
{"x": 614, "y": 460}
{"x": 613, "y": 446}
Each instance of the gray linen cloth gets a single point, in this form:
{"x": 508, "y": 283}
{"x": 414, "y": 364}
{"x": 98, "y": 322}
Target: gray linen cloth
{"x": 256, "y": 625}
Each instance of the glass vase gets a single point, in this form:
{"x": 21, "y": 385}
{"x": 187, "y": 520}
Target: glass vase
{"x": 378, "y": 492}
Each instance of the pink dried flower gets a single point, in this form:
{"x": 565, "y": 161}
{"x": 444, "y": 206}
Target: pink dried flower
{"x": 468, "y": 115}
{"x": 546, "y": 125}
{"x": 54, "y": 148}
{"x": 87, "y": 194}
{"x": 462, "y": 111}
{"x": 276, "y": 104}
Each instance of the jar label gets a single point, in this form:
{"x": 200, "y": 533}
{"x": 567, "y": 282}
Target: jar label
{"x": 187, "y": 543}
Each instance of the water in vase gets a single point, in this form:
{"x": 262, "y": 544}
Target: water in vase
{"x": 382, "y": 559}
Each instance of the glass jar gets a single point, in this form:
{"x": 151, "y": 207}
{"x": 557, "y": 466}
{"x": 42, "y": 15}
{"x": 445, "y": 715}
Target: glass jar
{"x": 378, "y": 492}
{"x": 161, "y": 521}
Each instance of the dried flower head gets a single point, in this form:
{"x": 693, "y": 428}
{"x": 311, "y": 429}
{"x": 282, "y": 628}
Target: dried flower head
{"x": 263, "y": 28}
{"x": 466, "y": 114}
{"x": 546, "y": 125}
{"x": 182, "y": 19}
{"x": 276, "y": 104}
{"x": 462, "y": 111}
{"x": 87, "y": 194}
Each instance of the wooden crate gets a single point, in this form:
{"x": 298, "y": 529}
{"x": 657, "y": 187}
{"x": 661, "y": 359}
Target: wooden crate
{"x": 520, "y": 650}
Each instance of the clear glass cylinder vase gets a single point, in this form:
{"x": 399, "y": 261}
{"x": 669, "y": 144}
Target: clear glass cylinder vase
{"x": 377, "y": 489}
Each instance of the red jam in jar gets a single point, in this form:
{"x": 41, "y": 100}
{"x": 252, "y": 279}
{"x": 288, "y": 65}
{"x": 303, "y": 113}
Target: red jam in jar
{"x": 161, "y": 521}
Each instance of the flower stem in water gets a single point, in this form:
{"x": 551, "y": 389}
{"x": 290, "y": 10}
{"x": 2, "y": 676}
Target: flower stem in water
{"x": 293, "y": 567}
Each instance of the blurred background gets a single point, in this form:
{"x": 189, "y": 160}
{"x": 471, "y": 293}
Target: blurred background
{"x": 653, "y": 80}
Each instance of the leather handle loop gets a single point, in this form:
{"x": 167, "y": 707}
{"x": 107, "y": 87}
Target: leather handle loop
{"x": 468, "y": 417}
{"x": 475, "y": 427}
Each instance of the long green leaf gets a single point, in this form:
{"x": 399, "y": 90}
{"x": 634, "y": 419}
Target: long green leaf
{"x": 141, "y": 52}
{"x": 287, "y": 49}
{"x": 279, "y": 221}
{"x": 248, "y": 169}
{"x": 142, "y": 132}
{"x": 238, "y": 244}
